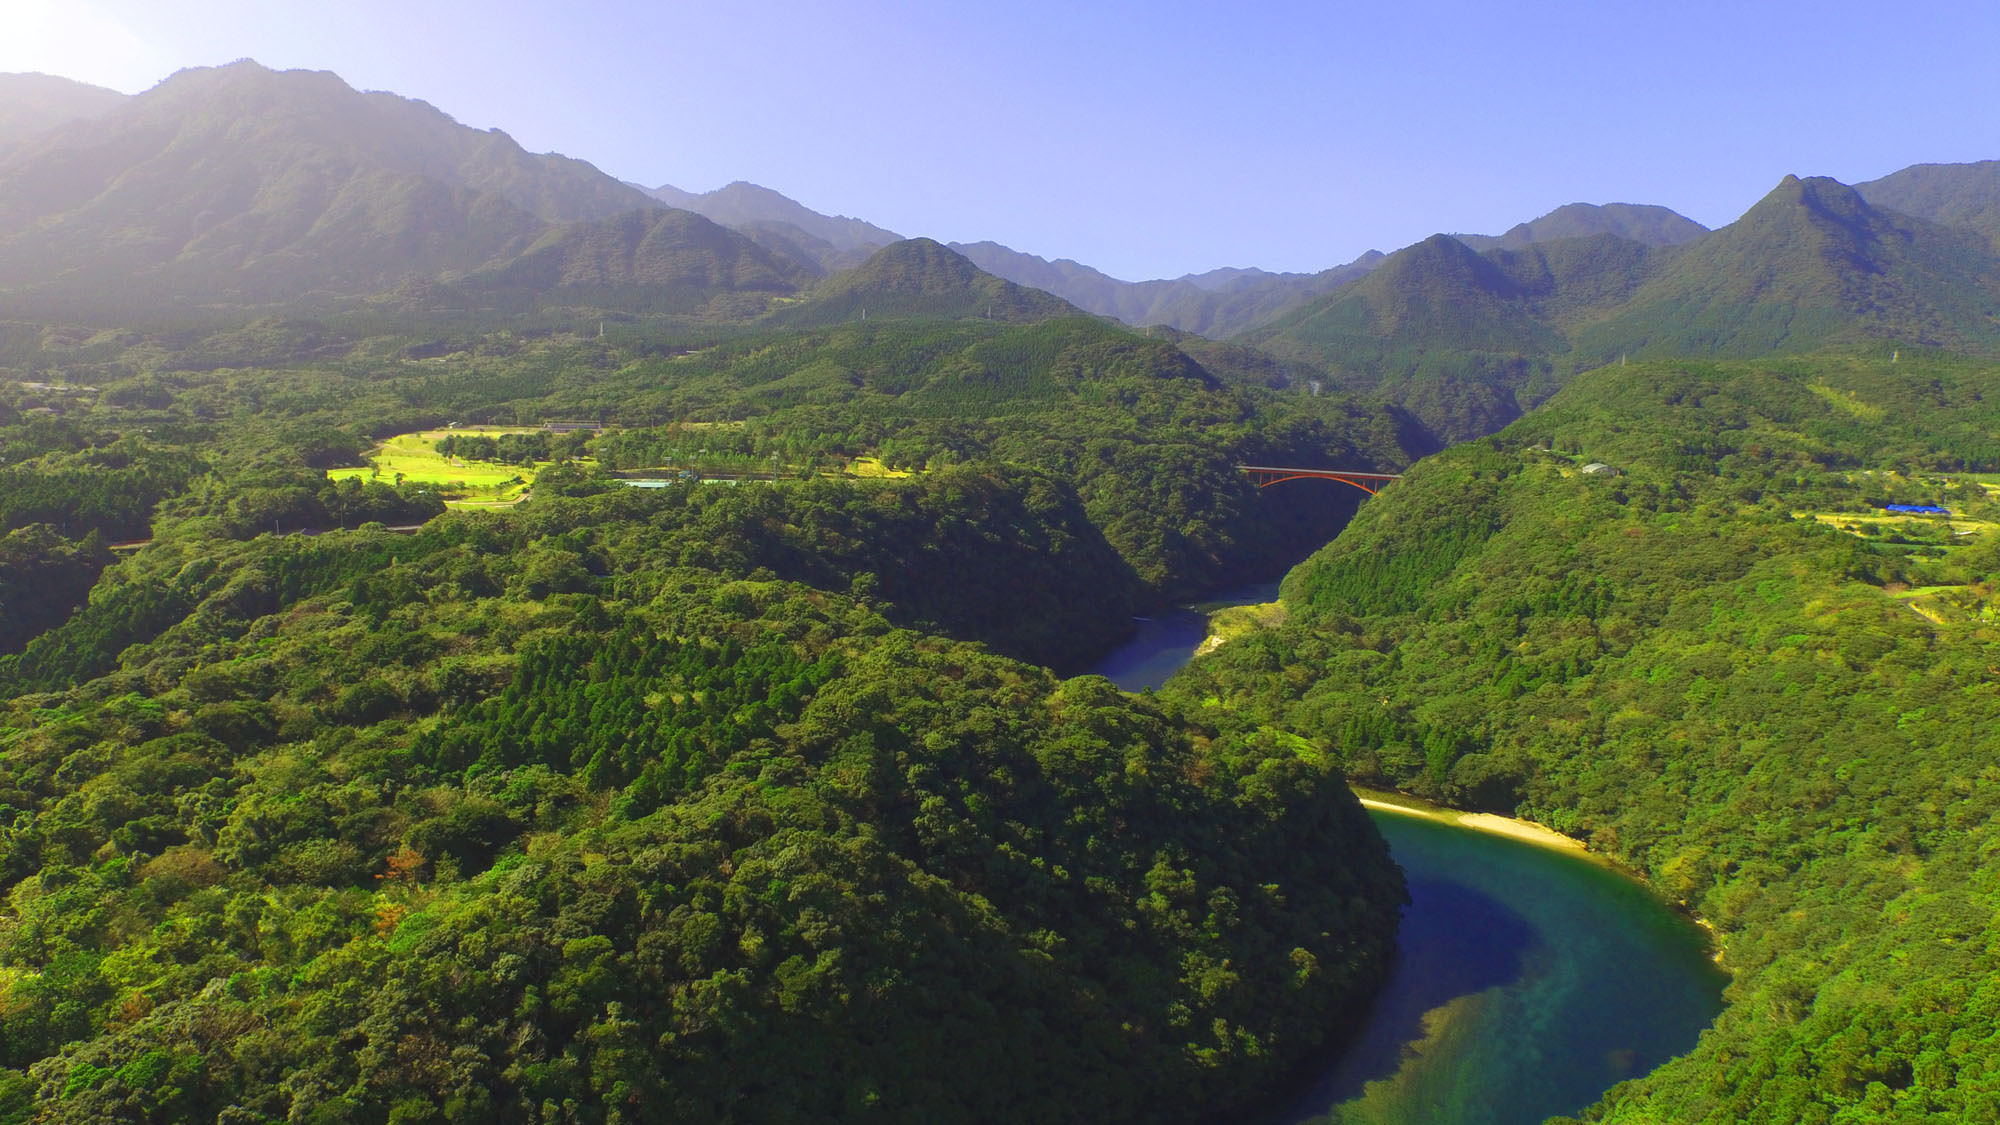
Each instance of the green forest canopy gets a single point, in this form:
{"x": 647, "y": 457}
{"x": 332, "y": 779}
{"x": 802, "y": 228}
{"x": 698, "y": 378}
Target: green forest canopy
{"x": 1785, "y": 726}
{"x": 689, "y": 799}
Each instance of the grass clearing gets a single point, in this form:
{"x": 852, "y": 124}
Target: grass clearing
{"x": 1854, "y": 522}
{"x": 1225, "y": 625}
{"x": 872, "y": 468}
{"x": 1847, "y": 402}
{"x": 464, "y": 483}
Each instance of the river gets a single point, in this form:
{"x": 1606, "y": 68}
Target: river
{"x": 1528, "y": 979}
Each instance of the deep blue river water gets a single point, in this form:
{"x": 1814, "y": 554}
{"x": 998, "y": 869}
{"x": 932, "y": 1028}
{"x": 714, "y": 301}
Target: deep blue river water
{"x": 1528, "y": 980}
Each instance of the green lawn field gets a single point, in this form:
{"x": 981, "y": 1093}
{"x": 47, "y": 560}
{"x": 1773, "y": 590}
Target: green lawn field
{"x": 464, "y": 483}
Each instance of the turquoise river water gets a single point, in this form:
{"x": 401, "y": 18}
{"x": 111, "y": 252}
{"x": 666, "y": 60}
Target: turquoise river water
{"x": 1528, "y": 980}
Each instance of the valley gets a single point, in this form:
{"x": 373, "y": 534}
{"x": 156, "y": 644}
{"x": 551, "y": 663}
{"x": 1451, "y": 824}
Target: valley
{"x": 407, "y": 763}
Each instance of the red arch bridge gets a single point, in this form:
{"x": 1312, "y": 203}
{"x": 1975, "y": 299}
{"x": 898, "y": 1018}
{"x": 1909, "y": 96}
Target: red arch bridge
{"x": 1267, "y": 475}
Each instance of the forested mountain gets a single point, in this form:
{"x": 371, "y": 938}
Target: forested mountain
{"x": 1810, "y": 266}
{"x": 1652, "y": 225}
{"x": 36, "y": 103}
{"x": 1215, "y": 304}
{"x": 488, "y": 829}
{"x": 1723, "y": 664}
{"x": 919, "y": 277}
{"x": 1464, "y": 340}
{"x": 1467, "y": 340}
{"x": 242, "y": 184}
{"x": 648, "y": 794}
{"x": 1954, "y": 195}
{"x": 661, "y": 261}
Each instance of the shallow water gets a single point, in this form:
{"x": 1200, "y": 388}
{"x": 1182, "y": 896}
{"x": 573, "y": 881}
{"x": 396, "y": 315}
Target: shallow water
{"x": 1528, "y": 981}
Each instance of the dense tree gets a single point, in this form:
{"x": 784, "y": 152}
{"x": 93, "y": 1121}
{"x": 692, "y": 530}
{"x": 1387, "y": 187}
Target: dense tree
{"x": 1702, "y": 663}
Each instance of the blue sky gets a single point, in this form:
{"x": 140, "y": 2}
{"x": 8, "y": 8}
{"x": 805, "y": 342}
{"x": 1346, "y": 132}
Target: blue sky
{"x": 1147, "y": 140}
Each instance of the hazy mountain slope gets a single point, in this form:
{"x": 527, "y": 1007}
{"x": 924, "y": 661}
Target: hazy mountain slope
{"x": 1215, "y": 304}
{"x": 247, "y": 185}
{"x": 1811, "y": 266}
{"x": 819, "y": 256}
{"x": 662, "y": 260}
{"x": 1226, "y": 276}
{"x": 921, "y": 278}
{"x": 742, "y": 204}
{"x": 1956, "y": 195}
{"x": 1644, "y": 223}
{"x": 35, "y": 103}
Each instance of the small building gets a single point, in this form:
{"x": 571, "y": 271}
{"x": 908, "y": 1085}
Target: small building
{"x": 573, "y": 427}
{"x": 1917, "y": 509}
{"x": 1600, "y": 469}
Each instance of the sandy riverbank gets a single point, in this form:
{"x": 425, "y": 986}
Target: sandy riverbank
{"x": 1525, "y": 830}
{"x": 1230, "y": 622}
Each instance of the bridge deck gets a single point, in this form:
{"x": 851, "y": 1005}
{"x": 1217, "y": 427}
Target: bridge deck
{"x": 1268, "y": 475}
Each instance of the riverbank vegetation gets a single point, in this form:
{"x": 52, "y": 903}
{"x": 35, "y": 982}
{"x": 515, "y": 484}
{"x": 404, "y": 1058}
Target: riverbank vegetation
{"x": 1679, "y": 664}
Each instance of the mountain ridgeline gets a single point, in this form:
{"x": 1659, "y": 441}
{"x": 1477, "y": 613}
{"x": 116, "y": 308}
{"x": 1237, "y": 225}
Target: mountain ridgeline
{"x": 1468, "y": 341}
{"x": 31, "y": 104}
{"x": 1652, "y": 225}
{"x": 241, "y": 187}
{"x": 1216, "y": 304}
{"x": 832, "y": 242}
{"x": 1954, "y": 195}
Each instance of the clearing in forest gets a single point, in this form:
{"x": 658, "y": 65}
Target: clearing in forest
{"x": 464, "y": 482}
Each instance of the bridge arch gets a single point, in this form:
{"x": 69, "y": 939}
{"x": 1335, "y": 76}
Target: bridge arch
{"x": 1267, "y": 475}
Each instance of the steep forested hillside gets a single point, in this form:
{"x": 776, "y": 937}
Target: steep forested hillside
{"x": 920, "y": 278}
{"x": 1811, "y": 266}
{"x": 1464, "y": 340}
{"x": 515, "y": 813}
{"x": 1467, "y": 341}
{"x": 657, "y": 261}
{"x": 1715, "y": 657}
{"x": 1149, "y": 438}
{"x": 639, "y": 797}
{"x": 1953, "y": 195}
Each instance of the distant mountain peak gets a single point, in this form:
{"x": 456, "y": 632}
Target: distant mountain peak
{"x": 1821, "y": 193}
{"x": 920, "y": 277}
{"x": 741, "y": 204}
{"x": 1833, "y": 209}
{"x": 1640, "y": 222}
{"x": 36, "y": 103}
{"x": 1955, "y": 195}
